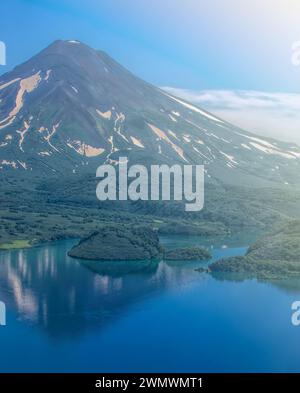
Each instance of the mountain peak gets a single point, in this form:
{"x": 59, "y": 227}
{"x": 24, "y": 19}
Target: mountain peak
{"x": 71, "y": 54}
{"x": 62, "y": 45}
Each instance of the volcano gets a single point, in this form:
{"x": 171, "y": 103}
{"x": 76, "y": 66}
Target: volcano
{"x": 71, "y": 108}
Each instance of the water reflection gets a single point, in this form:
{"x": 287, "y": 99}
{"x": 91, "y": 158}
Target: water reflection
{"x": 121, "y": 268}
{"x": 44, "y": 287}
{"x": 288, "y": 285}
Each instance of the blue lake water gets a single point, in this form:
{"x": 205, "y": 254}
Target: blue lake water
{"x": 141, "y": 316}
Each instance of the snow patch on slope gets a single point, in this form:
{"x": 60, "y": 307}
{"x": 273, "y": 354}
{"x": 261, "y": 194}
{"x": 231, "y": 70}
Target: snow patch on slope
{"x": 27, "y": 85}
{"x": 162, "y": 135}
{"x": 84, "y": 149}
{"x": 22, "y": 135}
{"x": 105, "y": 115}
{"x": 194, "y": 108}
{"x": 137, "y": 142}
{"x": 9, "y": 83}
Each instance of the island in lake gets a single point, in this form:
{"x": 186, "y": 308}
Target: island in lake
{"x": 122, "y": 242}
{"x": 131, "y": 243}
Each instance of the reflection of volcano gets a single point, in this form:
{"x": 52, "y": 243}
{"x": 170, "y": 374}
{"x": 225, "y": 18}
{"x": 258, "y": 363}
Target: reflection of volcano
{"x": 46, "y": 287}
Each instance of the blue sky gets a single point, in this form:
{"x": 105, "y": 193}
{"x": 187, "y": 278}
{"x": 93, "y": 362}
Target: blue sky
{"x": 194, "y": 44}
{"x": 238, "y": 50}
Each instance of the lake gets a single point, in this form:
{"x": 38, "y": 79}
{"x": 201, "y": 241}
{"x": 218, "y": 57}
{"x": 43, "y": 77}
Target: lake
{"x": 142, "y": 316}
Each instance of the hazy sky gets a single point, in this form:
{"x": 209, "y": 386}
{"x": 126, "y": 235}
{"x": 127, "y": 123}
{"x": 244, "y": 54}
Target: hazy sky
{"x": 275, "y": 115}
{"x": 197, "y": 45}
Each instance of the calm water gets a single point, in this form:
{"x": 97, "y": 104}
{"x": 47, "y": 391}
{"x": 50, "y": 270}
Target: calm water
{"x": 65, "y": 316}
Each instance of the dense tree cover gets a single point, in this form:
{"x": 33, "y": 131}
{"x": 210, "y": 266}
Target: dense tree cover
{"x": 191, "y": 253}
{"x": 274, "y": 256}
{"x": 119, "y": 242}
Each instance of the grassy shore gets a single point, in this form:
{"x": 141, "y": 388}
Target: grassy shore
{"x": 15, "y": 245}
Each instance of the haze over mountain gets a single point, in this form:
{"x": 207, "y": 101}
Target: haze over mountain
{"x": 70, "y": 108}
{"x": 268, "y": 114}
